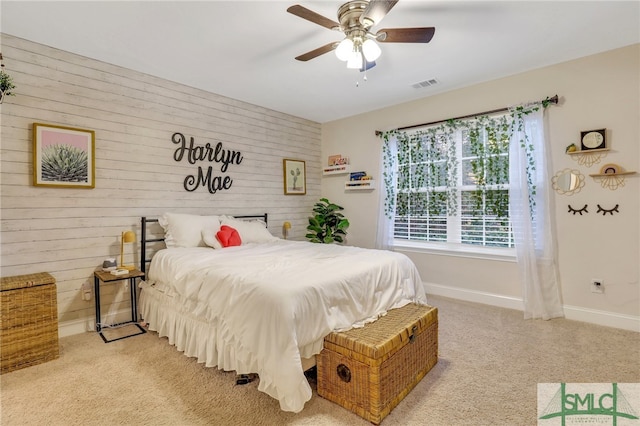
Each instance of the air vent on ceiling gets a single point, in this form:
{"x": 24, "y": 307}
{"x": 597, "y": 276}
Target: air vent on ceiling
{"x": 426, "y": 83}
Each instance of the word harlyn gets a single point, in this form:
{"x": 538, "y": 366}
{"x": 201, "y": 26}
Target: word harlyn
{"x": 198, "y": 153}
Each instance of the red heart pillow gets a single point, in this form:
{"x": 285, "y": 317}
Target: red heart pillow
{"x": 228, "y": 236}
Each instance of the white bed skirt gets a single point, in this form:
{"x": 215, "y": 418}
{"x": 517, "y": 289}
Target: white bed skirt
{"x": 198, "y": 338}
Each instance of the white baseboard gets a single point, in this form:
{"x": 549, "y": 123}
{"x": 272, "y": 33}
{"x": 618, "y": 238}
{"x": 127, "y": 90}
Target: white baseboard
{"x": 608, "y": 319}
{"x": 69, "y": 328}
{"x": 79, "y": 326}
{"x": 576, "y": 313}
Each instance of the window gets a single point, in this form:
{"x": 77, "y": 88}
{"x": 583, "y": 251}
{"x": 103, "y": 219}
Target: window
{"x": 453, "y": 184}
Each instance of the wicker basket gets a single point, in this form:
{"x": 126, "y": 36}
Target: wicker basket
{"x": 370, "y": 370}
{"x": 28, "y": 321}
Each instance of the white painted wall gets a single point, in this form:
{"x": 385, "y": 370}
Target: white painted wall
{"x": 68, "y": 232}
{"x": 599, "y": 91}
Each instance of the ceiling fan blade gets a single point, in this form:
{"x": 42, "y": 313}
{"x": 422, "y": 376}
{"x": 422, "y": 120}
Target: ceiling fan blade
{"x": 317, "y": 52}
{"x": 406, "y": 35}
{"x": 312, "y": 16}
{"x": 376, "y": 10}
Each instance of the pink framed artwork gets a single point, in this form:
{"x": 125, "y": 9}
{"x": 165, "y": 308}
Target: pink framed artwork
{"x": 63, "y": 156}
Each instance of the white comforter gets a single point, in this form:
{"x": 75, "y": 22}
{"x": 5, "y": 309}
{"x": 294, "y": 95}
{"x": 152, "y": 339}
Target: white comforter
{"x": 273, "y": 303}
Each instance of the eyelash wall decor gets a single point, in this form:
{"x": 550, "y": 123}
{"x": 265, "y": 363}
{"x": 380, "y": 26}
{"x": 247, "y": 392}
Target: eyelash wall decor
{"x": 574, "y": 211}
{"x": 610, "y": 211}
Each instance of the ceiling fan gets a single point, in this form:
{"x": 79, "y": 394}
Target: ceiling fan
{"x": 356, "y": 18}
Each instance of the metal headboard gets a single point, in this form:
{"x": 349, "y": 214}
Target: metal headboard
{"x": 145, "y": 241}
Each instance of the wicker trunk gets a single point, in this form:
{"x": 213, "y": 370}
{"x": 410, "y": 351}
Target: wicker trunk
{"x": 28, "y": 321}
{"x": 370, "y": 370}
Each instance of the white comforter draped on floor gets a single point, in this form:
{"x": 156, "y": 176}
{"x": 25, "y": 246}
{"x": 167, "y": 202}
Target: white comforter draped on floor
{"x": 271, "y": 304}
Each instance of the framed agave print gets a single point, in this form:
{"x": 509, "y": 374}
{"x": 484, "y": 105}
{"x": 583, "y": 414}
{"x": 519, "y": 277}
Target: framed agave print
{"x": 63, "y": 156}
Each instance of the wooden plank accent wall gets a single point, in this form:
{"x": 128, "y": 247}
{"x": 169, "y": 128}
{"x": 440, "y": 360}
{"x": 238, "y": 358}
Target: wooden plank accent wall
{"x": 67, "y": 231}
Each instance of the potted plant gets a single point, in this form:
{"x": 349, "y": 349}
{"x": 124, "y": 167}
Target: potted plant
{"x": 328, "y": 225}
{"x": 6, "y": 85}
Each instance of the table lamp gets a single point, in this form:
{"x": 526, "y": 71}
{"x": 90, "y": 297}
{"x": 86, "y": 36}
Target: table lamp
{"x": 285, "y": 229}
{"x": 127, "y": 237}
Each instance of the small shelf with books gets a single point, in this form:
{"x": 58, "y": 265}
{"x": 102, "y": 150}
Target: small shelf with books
{"x": 336, "y": 165}
{"x": 336, "y": 170}
{"x": 359, "y": 181}
{"x": 360, "y": 185}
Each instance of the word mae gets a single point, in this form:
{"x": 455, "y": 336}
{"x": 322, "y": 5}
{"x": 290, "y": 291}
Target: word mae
{"x": 194, "y": 153}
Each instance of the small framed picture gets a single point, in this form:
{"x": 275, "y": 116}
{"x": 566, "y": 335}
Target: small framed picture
{"x": 593, "y": 139}
{"x": 63, "y": 157}
{"x": 295, "y": 177}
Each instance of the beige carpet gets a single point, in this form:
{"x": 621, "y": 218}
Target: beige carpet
{"x": 490, "y": 363}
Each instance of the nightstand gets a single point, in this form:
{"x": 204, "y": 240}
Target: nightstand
{"x": 106, "y": 277}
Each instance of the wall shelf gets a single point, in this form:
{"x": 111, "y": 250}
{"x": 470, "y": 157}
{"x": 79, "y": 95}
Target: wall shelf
{"x": 360, "y": 185}
{"x": 611, "y": 181}
{"x": 589, "y": 157}
{"x": 336, "y": 170}
{"x": 611, "y": 174}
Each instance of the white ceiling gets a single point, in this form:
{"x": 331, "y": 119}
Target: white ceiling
{"x": 245, "y": 49}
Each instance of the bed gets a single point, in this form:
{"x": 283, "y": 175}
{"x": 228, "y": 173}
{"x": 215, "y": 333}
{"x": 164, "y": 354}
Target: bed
{"x": 264, "y": 305}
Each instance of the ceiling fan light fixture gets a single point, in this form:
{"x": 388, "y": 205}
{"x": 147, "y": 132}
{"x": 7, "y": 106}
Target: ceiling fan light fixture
{"x": 360, "y": 46}
{"x": 371, "y": 50}
{"x": 344, "y": 49}
{"x": 356, "y": 60}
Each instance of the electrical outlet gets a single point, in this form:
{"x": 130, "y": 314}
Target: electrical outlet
{"x": 86, "y": 291}
{"x": 597, "y": 286}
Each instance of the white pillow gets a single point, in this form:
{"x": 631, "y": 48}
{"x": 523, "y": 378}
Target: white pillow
{"x": 209, "y": 237}
{"x": 185, "y": 230}
{"x": 253, "y": 231}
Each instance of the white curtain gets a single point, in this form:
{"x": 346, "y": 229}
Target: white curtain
{"x": 531, "y": 212}
{"x": 387, "y": 210}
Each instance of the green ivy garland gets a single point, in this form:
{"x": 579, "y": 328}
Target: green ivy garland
{"x": 388, "y": 163}
{"x": 517, "y": 115}
{"x": 490, "y": 165}
{"x": 431, "y": 185}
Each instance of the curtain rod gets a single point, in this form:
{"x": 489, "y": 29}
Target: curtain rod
{"x": 553, "y": 100}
